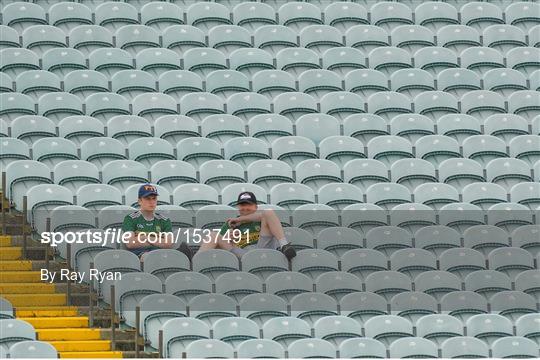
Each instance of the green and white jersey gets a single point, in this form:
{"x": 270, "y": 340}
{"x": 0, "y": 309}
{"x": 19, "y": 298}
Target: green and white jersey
{"x": 136, "y": 222}
{"x": 250, "y": 233}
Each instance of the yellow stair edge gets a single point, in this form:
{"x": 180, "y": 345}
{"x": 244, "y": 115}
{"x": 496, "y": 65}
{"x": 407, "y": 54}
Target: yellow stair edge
{"x": 5, "y": 240}
{"x": 57, "y": 322}
{"x": 27, "y": 288}
{"x": 91, "y": 354}
{"x": 20, "y": 276}
{"x": 15, "y": 265}
{"x": 68, "y": 334}
{"x": 35, "y": 299}
{"x": 81, "y": 345}
{"x": 46, "y": 311}
{"x": 10, "y": 252}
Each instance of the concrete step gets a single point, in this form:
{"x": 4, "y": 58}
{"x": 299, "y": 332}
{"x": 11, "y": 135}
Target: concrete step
{"x": 81, "y": 345}
{"x": 91, "y": 354}
{"x": 46, "y": 311}
{"x": 35, "y": 299}
{"x": 69, "y": 334}
{"x": 57, "y": 322}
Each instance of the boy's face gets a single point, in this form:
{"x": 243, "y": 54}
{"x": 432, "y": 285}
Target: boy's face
{"x": 247, "y": 208}
{"x": 148, "y": 203}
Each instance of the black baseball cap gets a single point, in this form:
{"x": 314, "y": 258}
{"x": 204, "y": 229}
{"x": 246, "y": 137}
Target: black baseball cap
{"x": 246, "y": 197}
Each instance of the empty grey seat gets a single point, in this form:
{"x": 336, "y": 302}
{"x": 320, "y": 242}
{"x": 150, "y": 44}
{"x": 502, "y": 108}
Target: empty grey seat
{"x": 527, "y": 326}
{"x": 257, "y": 347}
{"x": 509, "y": 216}
{"x": 228, "y": 38}
{"x": 290, "y": 196}
{"x": 288, "y": 284}
{"x": 181, "y": 38}
{"x": 365, "y": 172}
{"x": 130, "y": 289}
{"x": 13, "y": 331}
{"x": 343, "y": 59}
{"x": 458, "y": 81}
{"x": 338, "y": 284}
{"x": 202, "y": 60}
{"x": 463, "y": 304}
{"x": 360, "y": 347}
{"x": 220, "y": 173}
{"x": 413, "y": 261}
{"x": 300, "y": 238}
{"x": 413, "y": 347}
{"x": 78, "y": 128}
{"x": 110, "y": 60}
{"x": 21, "y": 175}
{"x": 388, "y": 328}
{"x": 313, "y": 262}
{"x": 366, "y": 82}
{"x": 484, "y": 194}
{"x": 297, "y": 15}
{"x": 527, "y": 281}
{"x": 339, "y": 195}
{"x": 253, "y": 16}
{"x": 215, "y": 262}
{"x": 246, "y": 150}
{"x": 464, "y": 346}
{"x": 485, "y": 238}
{"x": 388, "y": 195}
{"x": 437, "y": 283}
{"x": 150, "y": 150}
{"x": 366, "y": 37}
{"x": 105, "y": 105}
{"x": 264, "y": 262}
{"x": 525, "y": 147}
{"x": 200, "y": 105}
{"x": 372, "y": 261}
{"x": 339, "y": 240}
{"x": 274, "y": 38}
{"x": 235, "y": 330}
{"x": 180, "y": 332}
{"x": 526, "y": 237}
{"x": 388, "y": 239}
{"x": 524, "y": 59}
{"x": 160, "y": 16}
{"x": 285, "y": 330}
{"x": 313, "y": 306}
{"x": 34, "y": 349}
{"x": 131, "y": 172}
{"x": 389, "y": 148}
{"x": 363, "y": 217}
{"x": 165, "y": 262}
{"x": 206, "y": 16}
{"x": 261, "y": 307}
{"x": 194, "y": 196}
{"x": 487, "y": 282}
{"x": 481, "y": 16}
{"x": 238, "y": 284}
{"x": 506, "y": 126}
{"x": 6, "y": 309}
{"x": 437, "y": 238}
{"x": 514, "y": 346}
{"x": 212, "y": 307}
{"x": 307, "y": 348}
{"x": 225, "y": 83}
{"x": 12, "y": 150}
{"x": 439, "y": 327}
{"x": 470, "y": 59}
{"x": 179, "y": 82}
{"x": 172, "y": 173}
{"x": 122, "y": 261}
{"x": 435, "y": 195}
{"x": 156, "y": 309}
{"x": 37, "y": 82}
{"x": 435, "y": 104}
{"x": 15, "y": 60}
{"x": 337, "y": 329}
{"x": 186, "y": 285}
{"x": 271, "y": 83}
{"x": 294, "y": 104}
{"x": 458, "y": 126}
{"x": 198, "y": 150}
{"x": 131, "y": 83}
{"x": 489, "y": 327}
{"x": 269, "y": 127}
{"x": 412, "y": 172}
{"x": 512, "y": 304}
{"x": 388, "y": 283}
{"x": 412, "y": 305}
{"x": 362, "y": 306}
{"x": 461, "y": 261}
{"x": 411, "y": 126}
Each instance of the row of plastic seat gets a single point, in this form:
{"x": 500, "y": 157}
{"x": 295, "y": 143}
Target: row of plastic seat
{"x": 296, "y": 15}
{"x": 293, "y": 335}
{"x": 315, "y": 82}
{"x": 432, "y": 105}
{"x": 227, "y": 38}
{"x": 201, "y": 61}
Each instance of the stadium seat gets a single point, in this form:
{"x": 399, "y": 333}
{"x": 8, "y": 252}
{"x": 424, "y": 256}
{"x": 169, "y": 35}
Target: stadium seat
{"x": 237, "y": 284}
{"x": 525, "y": 237}
{"x": 388, "y": 283}
{"x": 300, "y": 238}
{"x": 412, "y": 172}
{"x": 413, "y": 262}
{"x": 206, "y": 16}
{"x": 286, "y": 330}
{"x": 234, "y": 331}
{"x": 526, "y": 326}
{"x": 437, "y": 283}
{"x": 220, "y": 173}
{"x": 123, "y": 173}
{"x": 527, "y": 281}
{"x": 225, "y": 83}
{"x": 307, "y": 348}
{"x": 160, "y": 16}
{"x": 198, "y": 150}
{"x": 150, "y": 150}
{"x": 514, "y": 346}
{"x": 181, "y": 38}
{"x": 174, "y": 128}
{"x": 178, "y": 333}
{"x": 35, "y": 83}
{"x": 172, "y": 173}
{"x": 463, "y": 304}
{"x": 102, "y": 150}
{"x": 439, "y": 327}
{"x": 15, "y": 60}
{"x": 318, "y": 82}
{"x": 228, "y": 38}
{"x": 487, "y": 282}
{"x": 297, "y": 60}
{"x": 13, "y": 150}
{"x": 464, "y": 346}
{"x": 257, "y": 347}
{"x": 194, "y": 196}
{"x": 343, "y": 59}
{"x": 137, "y": 127}
{"x": 489, "y": 327}
{"x": 200, "y": 105}
{"x": 337, "y": 329}
{"x": 212, "y": 307}
{"x": 317, "y": 127}
{"x": 113, "y": 16}
{"x": 271, "y": 83}
{"x": 17, "y": 105}
{"x": 413, "y": 347}
{"x": 484, "y": 194}
{"x": 338, "y": 284}
{"x": 320, "y": 38}
{"x": 509, "y": 216}
{"x": 264, "y": 262}
{"x": 246, "y": 150}
{"x": 435, "y": 104}
{"x": 512, "y": 304}
{"x": 202, "y": 60}
{"x": 130, "y": 83}
{"x": 52, "y": 150}
{"x": 313, "y": 306}
{"x": 186, "y": 285}
{"x": 461, "y": 261}
{"x": 485, "y": 238}
{"x": 389, "y": 148}
{"x": 366, "y": 82}
{"x": 253, "y": 16}
{"x": 388, "y": 328}
{"x": 273, "y": 38}
{"x": 314, "y": 262}
{"x": 298, "y": 15}
{"x": 178, "y": 83}
{"x": 288, "y": 284}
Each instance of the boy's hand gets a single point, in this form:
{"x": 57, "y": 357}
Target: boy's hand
{"x": 234, "y": 222}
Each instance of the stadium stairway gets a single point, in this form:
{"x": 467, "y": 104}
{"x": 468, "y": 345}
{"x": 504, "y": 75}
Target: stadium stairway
{"x": 45, "y": 305}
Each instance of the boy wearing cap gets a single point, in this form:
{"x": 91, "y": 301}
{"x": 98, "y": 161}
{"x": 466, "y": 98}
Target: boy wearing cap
{"x": 258, "y": 229}
{"x": 146, "y": 220}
